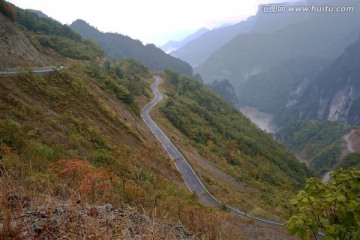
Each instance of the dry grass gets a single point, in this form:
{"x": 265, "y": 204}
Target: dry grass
{"x": 62, "y": 119}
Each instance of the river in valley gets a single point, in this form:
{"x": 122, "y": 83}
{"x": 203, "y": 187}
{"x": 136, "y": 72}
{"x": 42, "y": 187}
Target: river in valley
{"x": 261, "y": 119}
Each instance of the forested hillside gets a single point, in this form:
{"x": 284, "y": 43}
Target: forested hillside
{"x": 117, "y": 46}
{"x": 302, "y": 71}
{"x": 46, "y": 33}
{"x": 317, "y": 142}
{"x": 225, "y": 89}
{"x": 29, "y": 40}
{"x": 227, "y": 139}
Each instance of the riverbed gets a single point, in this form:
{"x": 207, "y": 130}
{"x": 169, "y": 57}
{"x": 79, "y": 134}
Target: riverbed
{"x": 261, "y": 119}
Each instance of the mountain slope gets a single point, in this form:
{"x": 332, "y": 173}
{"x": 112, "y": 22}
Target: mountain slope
{"x": 117, "y": 46}
{"x": 248, "y": 54}
{"x": 318, "y": 143}
{"x": 334, "y": 94}
{"x": 73, "y": 146}
{"x": 273, "y": 90}
{"x": 196, "y": 118}
{"x": 16, "y": 50}
{"x": 197, "y": 51}
{"x": 46, "y": 41}
{"x": 225, "y": 89}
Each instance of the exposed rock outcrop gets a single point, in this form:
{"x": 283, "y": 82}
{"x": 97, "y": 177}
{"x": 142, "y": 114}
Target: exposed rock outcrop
{"x": 74, "y": 221}
{"x": 15, "y": 48}
{"x": 224, "y": 89}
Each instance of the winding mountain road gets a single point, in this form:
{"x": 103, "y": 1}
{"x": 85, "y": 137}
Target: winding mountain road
{"x": 191, "y": 179}
{"x": 34, "y": 70}
{"x": 350, "y": 149}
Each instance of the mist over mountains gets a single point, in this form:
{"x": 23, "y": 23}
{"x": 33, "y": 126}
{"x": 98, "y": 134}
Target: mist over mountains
{"x": 251, "y": 53}
{"x": 198, "y": 50}
{"x": 274, "y": 57}
{"x": 289, "y": 67}
{"x": 334, "y": 94}
{"x": 171, "y": 46}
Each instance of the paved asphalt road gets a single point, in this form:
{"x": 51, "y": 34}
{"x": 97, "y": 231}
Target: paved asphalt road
{"x": 34, "y": 70}
{"x": 188, "y": 174}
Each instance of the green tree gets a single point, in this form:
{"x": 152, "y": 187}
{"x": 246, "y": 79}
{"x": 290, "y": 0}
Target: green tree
{"x": 11, "y": 134}
{"x": 173, "y": 75}
{"x": 332, "y": 208}
{"x": 7, "y": 10}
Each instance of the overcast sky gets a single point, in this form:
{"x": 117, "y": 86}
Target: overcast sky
{"x": 151, "y": 21}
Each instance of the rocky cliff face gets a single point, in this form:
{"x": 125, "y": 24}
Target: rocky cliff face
{"x": 334, "y": 94}
{"x": 16, "y": 49}
{"x": 341, "y": 102}
{"x": 224, "y": 89}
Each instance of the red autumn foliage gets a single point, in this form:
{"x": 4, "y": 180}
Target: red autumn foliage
{"x": 90, "y": 181}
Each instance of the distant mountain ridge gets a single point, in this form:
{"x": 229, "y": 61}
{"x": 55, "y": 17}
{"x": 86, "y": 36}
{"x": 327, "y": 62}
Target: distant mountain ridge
{"x": 197, "y": 51}
{"x": 174, "y": 45}
{"x": 275, "y": 65}
{"x": 306, "y": 88}
{"x": 117, "y": 46}
{"x": 251, "y": 53}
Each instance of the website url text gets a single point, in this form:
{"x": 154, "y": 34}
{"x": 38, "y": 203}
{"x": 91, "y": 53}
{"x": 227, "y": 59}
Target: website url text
{"x": 281, "y": 8}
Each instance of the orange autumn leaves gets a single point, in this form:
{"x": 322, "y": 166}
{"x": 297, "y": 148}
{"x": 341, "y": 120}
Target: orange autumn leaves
{"x": 92, "y": 182}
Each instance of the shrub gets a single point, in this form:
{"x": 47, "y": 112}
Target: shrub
{"x": 7, "y": 10}
{"x": 81, "y": 175}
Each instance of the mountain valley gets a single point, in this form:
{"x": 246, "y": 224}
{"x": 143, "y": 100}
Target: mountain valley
{"x": 268, "y": 127}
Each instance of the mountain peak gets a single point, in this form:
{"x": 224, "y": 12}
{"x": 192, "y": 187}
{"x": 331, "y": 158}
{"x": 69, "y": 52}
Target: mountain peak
{"x": 118, "y": 46}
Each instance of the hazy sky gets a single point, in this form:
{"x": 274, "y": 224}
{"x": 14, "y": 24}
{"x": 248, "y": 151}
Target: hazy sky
{"x": 151, "y": 21}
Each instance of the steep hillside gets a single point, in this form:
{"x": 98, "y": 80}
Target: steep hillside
{"x": 273, "y": 90}
{"x": 71, "y": 140}
{"x": 15, "y": 49}
{"x": 55, "y": 39}
{"x": 28, "y": 40}
{"x": 309, "y": 89}
{"x": 117, "y": 46}
{"x": 78, "y": 161}
{"x": 249, "y": 54}
{"x": 334, "y": 94}
{"x": 318, "y": 143}
{"x": 225, "y": 89}
{"x": 216, "y": 137}
{"x": 73, "y": 136}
